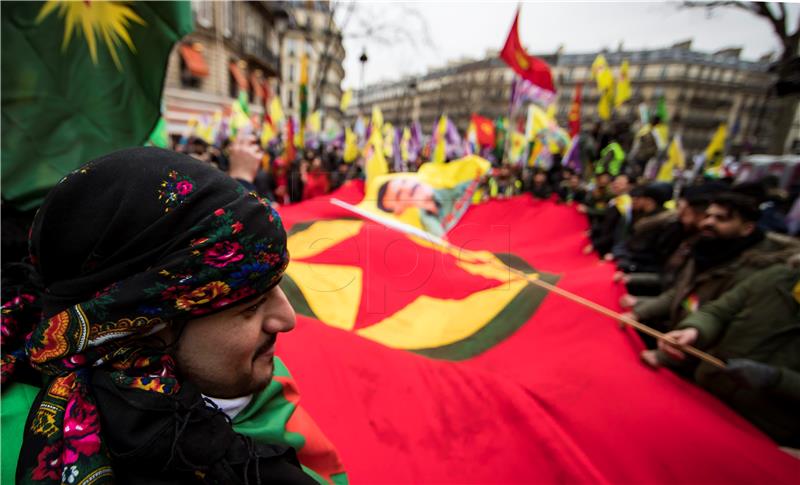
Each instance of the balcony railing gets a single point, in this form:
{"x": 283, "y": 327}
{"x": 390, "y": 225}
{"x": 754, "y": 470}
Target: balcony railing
{"x": 257, "y": 49}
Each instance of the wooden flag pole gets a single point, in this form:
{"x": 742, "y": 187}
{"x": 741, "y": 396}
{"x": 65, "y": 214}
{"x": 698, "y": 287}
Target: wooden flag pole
{"x": 531, "y": 278}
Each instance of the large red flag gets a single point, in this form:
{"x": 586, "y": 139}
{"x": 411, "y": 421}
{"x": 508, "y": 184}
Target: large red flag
{"x": 575, "y": 111}
{"x": 529, "y": 67}
{"x": 428, "y": 366}
{"x": 485, "y": 130}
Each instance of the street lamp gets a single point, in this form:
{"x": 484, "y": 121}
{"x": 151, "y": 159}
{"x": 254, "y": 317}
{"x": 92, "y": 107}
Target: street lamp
{"x": 363, "y": 60}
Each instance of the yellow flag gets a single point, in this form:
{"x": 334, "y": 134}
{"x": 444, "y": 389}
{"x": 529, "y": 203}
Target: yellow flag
{"x": 304, "y": 69}
{"x": 517, "y": 146}
{"x": 602, "y": 74}
{"x": 623, "y": 85}
{"x": 275, "y": 111}
{"x": 675, "y": 160}
{"x": 347, "y": 96}
{"x": 551, "y": 112}
{"x": 191, "y": 127}
{"x": 239, "y": 118}
{"x": 605, "y": 80}
{"x": 661, "y": 133}
{"x": 538, "y": 120}
{"x": 205, "y": 131}
{"x": 538, "y": 146}
{"x": 377, "y": 119}
{"x": 267, "y": 134}
{"x": 598, "y": 65}
{"x": 439, "y": 150}
{"x": 315, "y": 122}
{"x": 714, "y": 151}
{"x": 388, "y": 139}
{"x": 375, "y": 161}
{"x": 350, "y": 146}
{"x": 604, "y": 105}
{"x": 404, "y": 142}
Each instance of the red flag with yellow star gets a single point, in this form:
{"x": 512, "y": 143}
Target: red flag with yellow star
{"x": 484, "y": 128}
{"x": 529, "y": 67}
{"x": 575, "y": 111}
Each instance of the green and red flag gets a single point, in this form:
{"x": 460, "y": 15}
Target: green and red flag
{"x": 276, "y": 416}
{"x": 80, "y": 79}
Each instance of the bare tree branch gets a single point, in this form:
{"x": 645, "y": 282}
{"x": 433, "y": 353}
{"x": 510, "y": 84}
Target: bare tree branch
{"x": 764, "y": 11}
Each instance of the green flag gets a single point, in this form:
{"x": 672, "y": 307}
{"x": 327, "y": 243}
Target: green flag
{"x": 244, "y": 102}
{"x": 661, "y": 110}
{"x": 159, "y": 137}
{"x": 79, "y": 79}
{"x": 500, "y": 125}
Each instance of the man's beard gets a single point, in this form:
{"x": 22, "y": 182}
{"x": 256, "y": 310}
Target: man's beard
{"x": 710, "y": 251}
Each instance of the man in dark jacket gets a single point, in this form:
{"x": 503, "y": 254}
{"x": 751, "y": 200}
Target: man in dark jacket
{"x": 730, "y": 248}
{"x": 636, "y": 249}
{"x": 615, "y": 220}
{"x": 540, "y": 187}
{"x": 667, "y": 239}
{"x": 571, "y": 189}
{"x": 755, "y": 327}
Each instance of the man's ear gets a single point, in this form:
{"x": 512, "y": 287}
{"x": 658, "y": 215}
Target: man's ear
{"x": 748, "y": 228}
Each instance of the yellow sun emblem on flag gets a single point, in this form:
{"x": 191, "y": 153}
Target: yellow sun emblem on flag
{"x": 522, "y": 60}
{"x": 107, "y": 20}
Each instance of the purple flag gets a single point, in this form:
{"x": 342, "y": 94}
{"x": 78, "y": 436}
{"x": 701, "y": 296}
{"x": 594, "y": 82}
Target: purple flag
{"x": 452, "y": 139}
{"x": 523, "y": 91}
{"x": 396, "y": 155}
{"x": 572, "y": 159}
{"x": 415, "y": 144}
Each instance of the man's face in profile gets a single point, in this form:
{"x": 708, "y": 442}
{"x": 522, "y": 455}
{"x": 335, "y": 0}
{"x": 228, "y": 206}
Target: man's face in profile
{"x": 402, "y": 193}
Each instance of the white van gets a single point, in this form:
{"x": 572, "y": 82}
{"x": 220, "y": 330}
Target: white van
{"x": 785, "y": 167}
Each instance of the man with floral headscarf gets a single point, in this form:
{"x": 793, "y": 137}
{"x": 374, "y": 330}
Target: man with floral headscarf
{"x": 159, "y": 311}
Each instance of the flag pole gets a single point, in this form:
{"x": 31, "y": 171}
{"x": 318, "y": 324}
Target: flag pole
{"x": 507, "y": 138}
{"x": 533, "y": 279}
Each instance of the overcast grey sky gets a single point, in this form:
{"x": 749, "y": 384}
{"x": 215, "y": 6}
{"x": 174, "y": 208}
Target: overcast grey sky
{"x": 468, "y": 29}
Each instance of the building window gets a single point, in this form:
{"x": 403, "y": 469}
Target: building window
{"x": 188, "y": 80}
{"x": 228, "y": 17}
{"x": 290, "y": 100}
{"x": 291, "y": 72}
{"x": 203, "y": 13}
{"x": 233, "y": 87}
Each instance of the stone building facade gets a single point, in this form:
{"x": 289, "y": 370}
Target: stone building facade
{"x": 313, "y": 31}
{"x": 252, "y": 46}
{"x": 700, "y": 90}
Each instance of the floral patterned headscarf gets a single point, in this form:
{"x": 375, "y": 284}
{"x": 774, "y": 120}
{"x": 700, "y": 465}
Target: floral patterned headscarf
{"x": 127, "y": 245}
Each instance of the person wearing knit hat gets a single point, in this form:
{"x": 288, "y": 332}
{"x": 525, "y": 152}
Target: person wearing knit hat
{"x": 158, "y": 294}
